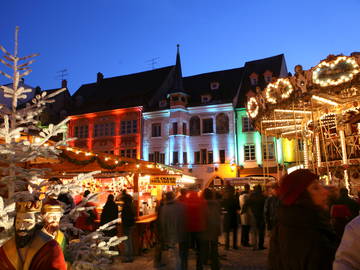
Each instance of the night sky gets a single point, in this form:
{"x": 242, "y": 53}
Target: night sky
{"x": 118, "y": 37}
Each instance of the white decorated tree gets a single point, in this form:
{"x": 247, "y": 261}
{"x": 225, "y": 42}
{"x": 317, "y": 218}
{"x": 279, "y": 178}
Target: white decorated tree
{"x": 21, "y": 182}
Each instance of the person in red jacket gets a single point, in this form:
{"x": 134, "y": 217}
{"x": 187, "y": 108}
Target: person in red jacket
{"x": 195, "y": 209}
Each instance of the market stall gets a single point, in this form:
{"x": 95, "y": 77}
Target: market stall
{"x": 144, "y": 181}
{"x": 318, "y": 112}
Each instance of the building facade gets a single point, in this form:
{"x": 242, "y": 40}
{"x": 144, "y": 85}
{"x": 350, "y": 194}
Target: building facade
{"x": 197, "y": 123}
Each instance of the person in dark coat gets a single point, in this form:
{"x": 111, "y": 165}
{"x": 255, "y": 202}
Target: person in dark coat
{"x": 128, "y": 216}
{"x": 109, "y": 213}
{"x": 303, "y": 238}
{"x": 231, "y": 208}
{"x": 256, "y": 204}
{"x": 272, "y": 204}
{"x": 213, "y": 229}
{"x": 172, "y": 223}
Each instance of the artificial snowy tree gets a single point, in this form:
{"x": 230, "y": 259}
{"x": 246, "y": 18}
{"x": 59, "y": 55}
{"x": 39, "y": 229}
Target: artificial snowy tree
{"x": 21, "y": 182}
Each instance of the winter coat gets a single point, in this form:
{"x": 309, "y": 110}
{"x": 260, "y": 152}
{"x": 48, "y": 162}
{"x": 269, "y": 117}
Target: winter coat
{"x": 213, "y": 220}
{"x": 347, "y": 256}
{"x": 172, "y": 222}
{"x": 109, "y": 213}
{"x": 351, "y": 204}
{"x": 128, "y": 214}
{"x": 302, "y": 240}
{"x": 270, "y": 211}
{"x": 194, "y": 212}
{"x": 245, "y": 215}
{"x": 255, "y": 203}
{"x": 230, "y": 206}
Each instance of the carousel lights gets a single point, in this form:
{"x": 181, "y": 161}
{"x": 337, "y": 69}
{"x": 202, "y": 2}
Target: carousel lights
{"x": 281, "y": 120}
{"x": 137, "y": 165}
{"x": 292, "y": 111}
{"x": 325, "y": 100}
{"x": 275, "y": 85}
{"x": 290, "y": 132}
{"x": 281, "y": 127}
{"x": 106, "y": 159}
{"x": 344, "y": 78}
{"x": 253, "y": 107}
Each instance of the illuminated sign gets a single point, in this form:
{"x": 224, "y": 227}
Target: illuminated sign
{"x": 164, "y": 179}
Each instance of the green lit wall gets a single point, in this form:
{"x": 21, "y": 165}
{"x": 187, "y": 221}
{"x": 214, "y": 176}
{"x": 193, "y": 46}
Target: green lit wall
{"x": 246, "y": 138}
{"x": 284, "y": 148}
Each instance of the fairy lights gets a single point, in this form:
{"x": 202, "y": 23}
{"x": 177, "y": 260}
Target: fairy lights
{"x": 282, "y": 86}
{"x": 325, "y": 100}
{"x": 292, "y": 111}
{"x": 290, "y": 132}
{"x": 325, "y": 66}
{"x": 281, "y": 127}
{"x": 253, "y": 107}
{"x": 282, "y": 120}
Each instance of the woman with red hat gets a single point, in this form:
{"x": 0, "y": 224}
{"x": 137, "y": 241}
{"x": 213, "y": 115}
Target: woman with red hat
{"x": 303, "y": 238}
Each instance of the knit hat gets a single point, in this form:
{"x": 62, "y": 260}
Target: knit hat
{"x": 294, "y": 184}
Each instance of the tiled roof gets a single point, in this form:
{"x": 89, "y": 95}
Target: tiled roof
{"x": 120, "y": 92}
{"x": 228, "y": 84}
{"x": 275, "y": 64}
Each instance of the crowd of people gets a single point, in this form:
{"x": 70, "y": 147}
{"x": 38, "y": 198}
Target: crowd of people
{"x": 309, "y": 225}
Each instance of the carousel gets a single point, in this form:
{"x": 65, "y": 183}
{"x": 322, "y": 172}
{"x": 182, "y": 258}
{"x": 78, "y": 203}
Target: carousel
{"x": 319, "y": 111}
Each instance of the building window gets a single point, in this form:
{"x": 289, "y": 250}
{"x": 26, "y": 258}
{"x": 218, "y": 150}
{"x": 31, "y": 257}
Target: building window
{"x": 249, "y": 151}
{"x": 162, "y": 103}
{"x": 157, "y": 157}
{"x": 106, "y": 129}
{"x": 184, "y": 129}
{"x": 156, "y": 130}
{"x": 175, "y": 128}
{"x": 214, "y": 85}
{"x": 197, "y": 157}
{"x": 222, "y": 123}
{"x": 203, "y": 156}
{"x": 254, "y": 78}
{"x": 81, "y": 132}
{"x": 208, "y": 125}
{"x": 185, "y": 158}
{"x": 205, "y": 98}
{"x": 246, "y": 125}
{"x": 268, "y": 151}
{"x": 222, "y": 156}
{"x": 128, "y": 127}
{"x": 175, "y": 157}
{"x": 194, "y": 126}
{"x": 210, "y": 157}
{"x": 162, "y": 158}
{"x": 130, "y": 153}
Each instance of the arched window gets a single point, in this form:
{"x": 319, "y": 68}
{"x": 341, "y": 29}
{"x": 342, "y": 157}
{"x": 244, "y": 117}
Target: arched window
{"x": 194, "y": 126}
{"x": 222, "y": 123}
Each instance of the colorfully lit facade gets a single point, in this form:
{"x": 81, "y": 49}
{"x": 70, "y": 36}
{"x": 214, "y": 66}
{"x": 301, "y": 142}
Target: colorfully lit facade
{"x": 197, "y": 139}
{"x": 115, "y": 132}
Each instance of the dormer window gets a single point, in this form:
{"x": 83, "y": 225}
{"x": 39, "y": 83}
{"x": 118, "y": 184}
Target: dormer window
{"x": 254, "y": 78}
{"x": 268, "y": 76}
{"x": 214, "y": 85}
{"x": 162, "y": 103}
{"x": 205, "y": 98}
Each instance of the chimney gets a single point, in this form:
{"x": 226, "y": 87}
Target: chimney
{"x": 100, "y": 77}
{"x": 64, "y": 84}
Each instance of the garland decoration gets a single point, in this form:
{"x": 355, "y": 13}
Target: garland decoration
{"x": 101, "y": 163}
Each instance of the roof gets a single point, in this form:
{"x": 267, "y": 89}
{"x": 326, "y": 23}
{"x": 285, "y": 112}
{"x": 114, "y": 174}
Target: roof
{"x": 120, "y": 92}
{"x": 276, "y": 64}
{"x": 228, "y": 80}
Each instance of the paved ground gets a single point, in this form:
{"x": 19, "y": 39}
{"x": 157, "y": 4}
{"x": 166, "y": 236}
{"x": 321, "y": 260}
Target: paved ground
{"x": 241, "y": 259}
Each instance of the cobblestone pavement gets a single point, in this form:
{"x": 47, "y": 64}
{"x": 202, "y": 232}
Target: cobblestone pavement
{"x": 241, "y": 259}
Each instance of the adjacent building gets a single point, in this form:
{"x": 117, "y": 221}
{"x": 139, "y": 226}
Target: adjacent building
{"x": 197, "y": 123}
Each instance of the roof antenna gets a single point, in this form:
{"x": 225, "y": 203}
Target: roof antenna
{"x": 62, "y": 74}
{"x": 152, "y": 62}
